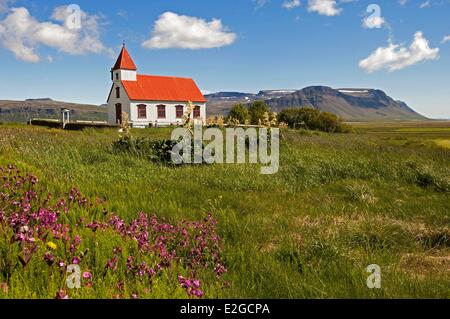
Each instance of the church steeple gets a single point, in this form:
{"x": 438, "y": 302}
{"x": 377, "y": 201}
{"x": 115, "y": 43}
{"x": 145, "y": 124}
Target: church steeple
{"x": 124, "y": 61}
{"x": 124, "y": 68}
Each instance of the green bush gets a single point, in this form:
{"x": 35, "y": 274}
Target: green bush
{"x": 313, "y": 119}
{"x": 153, "y": 150}
{"x": 239, "y": 112}
{"x": 257, "y": 111}
{"x": 159, "y": 151}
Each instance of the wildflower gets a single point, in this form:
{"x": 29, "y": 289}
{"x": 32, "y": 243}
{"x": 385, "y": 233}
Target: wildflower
{"x": 87, "y": 275}
{"x": 52, "y": 245}
{"x": 61, "y": 294}
{"x": 220, "y": 270}
{"x": 112, "y": 263}
{"x": 75, "y": 260}
{"x": 49, "y": 258}
{"x": 192, "y": 286}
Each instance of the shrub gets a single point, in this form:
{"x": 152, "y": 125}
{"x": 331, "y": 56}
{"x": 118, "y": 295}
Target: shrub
{"x": 313, "y": 119}
{"x": 152, "y": 150}
{"x": 240, "y": 113}
{"x": 159, "y": 151}
{"x": 257, "y": 112}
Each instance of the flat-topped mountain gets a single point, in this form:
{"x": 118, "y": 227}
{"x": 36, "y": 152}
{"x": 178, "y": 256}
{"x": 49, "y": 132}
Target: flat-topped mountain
{"x": 349, "y": 103}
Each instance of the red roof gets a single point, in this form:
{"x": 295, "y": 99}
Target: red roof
{"x": 124, "y": 61}
{"x": 163, "y": 88}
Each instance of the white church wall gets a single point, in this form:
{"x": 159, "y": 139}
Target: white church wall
{"x": 152, "y": 113}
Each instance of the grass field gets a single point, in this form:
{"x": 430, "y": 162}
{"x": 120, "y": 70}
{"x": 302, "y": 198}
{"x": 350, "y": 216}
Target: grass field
{"x": 338, "y": 204}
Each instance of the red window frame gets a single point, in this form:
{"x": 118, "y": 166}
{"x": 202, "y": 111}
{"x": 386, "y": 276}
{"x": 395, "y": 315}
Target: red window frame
{"x": 179, "y": 111}
{"x": 142, "y": 111}
{"x": 161, "y": 111}
{"x": 197, "y": 112}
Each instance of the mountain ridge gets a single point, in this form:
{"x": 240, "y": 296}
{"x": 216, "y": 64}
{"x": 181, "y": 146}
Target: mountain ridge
{"x": 351, "y": 104}
{"x": 22, "y": 111}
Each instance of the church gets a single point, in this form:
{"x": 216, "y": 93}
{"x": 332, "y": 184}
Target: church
{"x": 151, "y": 100}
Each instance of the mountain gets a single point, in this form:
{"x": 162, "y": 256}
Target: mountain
{"x": 349, "y": 103}
{"x": 22, "y": 111}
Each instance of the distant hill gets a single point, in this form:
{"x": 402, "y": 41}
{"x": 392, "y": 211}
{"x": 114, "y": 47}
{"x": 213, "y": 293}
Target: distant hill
{"x": 349, "y": 103}
{"x": 22, "y": 111}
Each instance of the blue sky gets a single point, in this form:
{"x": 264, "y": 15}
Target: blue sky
{"x": 256, "y": 45}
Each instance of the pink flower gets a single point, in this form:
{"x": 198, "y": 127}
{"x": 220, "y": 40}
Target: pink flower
{"x": 87, "y": 275}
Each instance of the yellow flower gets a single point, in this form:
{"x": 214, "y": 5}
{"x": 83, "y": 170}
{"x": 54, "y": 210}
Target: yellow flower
{"x": 52, "y": 245}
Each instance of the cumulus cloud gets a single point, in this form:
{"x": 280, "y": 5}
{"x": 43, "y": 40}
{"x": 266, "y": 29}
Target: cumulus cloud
{"x": 324, "y": 7}
{"x": 291, "y": 4}
{"x": 178, "y": 31}
{"x": 446, "y": 39}
{"x": 396, "y": 57}
{"x": 22, "y": 34}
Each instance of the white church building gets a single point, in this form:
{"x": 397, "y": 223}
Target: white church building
{"x": 151, "y": 100}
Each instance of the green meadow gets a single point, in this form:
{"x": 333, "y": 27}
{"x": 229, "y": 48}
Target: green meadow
{"x": 339, "y": 203}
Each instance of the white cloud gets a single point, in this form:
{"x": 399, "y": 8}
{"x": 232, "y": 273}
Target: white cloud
{"x": 396, "y": 57}
{"x": 425, "y": 4}
{"x": 324, "y": 7}
{"x": 22, "y": 34}
{"x": 291, "y": 4}
{"x": 446, "y": 39}
{"x": 402, "y": 2}
{"x": 178, "y": 31}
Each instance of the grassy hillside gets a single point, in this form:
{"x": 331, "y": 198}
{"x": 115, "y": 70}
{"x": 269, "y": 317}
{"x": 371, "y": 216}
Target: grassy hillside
{"x": 338, "y": 204}
{"x": 22, "y": 111}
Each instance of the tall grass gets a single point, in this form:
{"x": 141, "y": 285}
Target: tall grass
{"x": 338, "y": 204}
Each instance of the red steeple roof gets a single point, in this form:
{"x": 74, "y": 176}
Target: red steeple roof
{"x": 124, "y": 61}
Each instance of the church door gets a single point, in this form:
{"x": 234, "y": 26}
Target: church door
{"x": 118, "y": 113}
